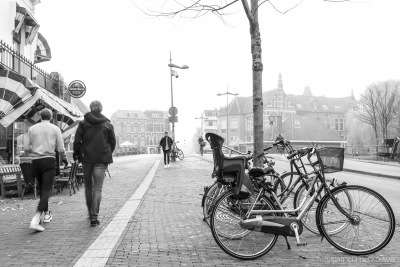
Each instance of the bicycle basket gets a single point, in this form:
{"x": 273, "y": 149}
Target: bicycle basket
{"x": 331, "y": 159}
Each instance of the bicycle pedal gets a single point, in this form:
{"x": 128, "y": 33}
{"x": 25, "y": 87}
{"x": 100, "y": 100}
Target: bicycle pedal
{"x": 302, "y": 244}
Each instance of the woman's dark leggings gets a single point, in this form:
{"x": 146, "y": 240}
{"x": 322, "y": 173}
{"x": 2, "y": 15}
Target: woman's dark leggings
{"x": 166, "y": 156}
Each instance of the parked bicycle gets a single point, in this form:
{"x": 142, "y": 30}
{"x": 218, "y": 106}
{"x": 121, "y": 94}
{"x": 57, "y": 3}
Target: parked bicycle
{"x": 176, "y": 153}
{"x": 354, "y": 219}
{"x": 217, "y": 188}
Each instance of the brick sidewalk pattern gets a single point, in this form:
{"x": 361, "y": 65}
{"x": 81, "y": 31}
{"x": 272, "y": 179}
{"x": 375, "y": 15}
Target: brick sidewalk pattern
{"x": 166, "y": 230}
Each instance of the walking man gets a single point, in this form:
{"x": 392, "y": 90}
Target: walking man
{"x": 201, "y": 144}
{"x": 43, "y": 140}
{"x": 166, "y": 143}
{"x": 93, "y": 146}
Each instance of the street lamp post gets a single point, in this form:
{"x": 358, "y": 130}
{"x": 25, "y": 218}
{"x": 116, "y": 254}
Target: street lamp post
{"x": 227, "y": 113}
{"x": 174, "y": 110}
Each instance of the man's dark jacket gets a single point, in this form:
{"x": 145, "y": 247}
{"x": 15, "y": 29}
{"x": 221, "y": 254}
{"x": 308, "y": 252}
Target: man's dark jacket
{"x": 164, "y": 140}
{"x": 94, "y": 139}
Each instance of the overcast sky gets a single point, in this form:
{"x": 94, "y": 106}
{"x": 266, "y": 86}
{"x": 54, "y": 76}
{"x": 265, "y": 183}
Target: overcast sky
{"x": 122, "y": 55}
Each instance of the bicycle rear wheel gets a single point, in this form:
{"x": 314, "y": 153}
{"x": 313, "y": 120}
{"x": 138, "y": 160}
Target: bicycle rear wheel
{"x": 236, "y": 241}
{"x": 281, "y": 187}
{"x": 180, "y": 154}
{"x": 372, "y": 225}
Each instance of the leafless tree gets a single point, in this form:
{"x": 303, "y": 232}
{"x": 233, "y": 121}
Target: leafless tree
{"x": 388, "y": 104}
{"x": 221, "y": 8}
{"x": 379, "y": 106}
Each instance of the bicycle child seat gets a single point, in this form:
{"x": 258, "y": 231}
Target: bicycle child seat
{"x": 228, "y": 167}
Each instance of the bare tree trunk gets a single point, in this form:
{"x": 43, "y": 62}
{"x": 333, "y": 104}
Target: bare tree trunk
{"x": 257, "y": 66}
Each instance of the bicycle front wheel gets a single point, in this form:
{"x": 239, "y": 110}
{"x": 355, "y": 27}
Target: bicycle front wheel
{"x": 180, "y": 154}
{"x": 209, "y": 199}
{"x": 236, "y": 241}
{"x": 372, "y": 222}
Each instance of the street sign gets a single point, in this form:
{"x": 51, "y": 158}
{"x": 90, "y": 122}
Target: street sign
{"x": 173, "y": 111}
{"x": 170, "y": 119}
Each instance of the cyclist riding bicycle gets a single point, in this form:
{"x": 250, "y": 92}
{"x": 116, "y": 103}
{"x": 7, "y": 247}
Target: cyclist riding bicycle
{"x": 202, "y": 144}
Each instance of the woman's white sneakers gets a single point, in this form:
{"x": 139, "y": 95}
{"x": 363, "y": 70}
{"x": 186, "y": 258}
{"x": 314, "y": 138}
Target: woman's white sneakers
{"x": 47, "y": 217}
{"x": 35, "y": 223}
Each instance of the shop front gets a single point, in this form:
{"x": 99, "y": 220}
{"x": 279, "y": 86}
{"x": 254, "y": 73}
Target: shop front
{"x": 21, "y": 100}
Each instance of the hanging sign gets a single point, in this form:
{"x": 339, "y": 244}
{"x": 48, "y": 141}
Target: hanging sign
{"x": 77, "y": 89}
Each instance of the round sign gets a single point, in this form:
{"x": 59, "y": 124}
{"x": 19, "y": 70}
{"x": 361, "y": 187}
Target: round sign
{"x": 271, "y": 118}
{"x": 173, "y": 111}
{"x": 77, "y": 89}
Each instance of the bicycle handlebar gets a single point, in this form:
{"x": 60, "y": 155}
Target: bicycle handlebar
{"x": 300, "y": 152}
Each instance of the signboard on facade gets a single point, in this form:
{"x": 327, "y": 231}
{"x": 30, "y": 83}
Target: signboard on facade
{"x": 77, "y": 89}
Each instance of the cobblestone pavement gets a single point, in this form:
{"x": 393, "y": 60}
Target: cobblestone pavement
{"x": 166, "y": 230}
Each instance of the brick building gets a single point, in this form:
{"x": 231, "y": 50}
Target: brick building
{"x": 299, "y": 118}
{"x": 142, "y": 128}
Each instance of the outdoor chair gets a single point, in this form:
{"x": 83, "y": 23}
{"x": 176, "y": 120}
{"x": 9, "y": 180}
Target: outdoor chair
{"x": 67, "y": 178}
{"x": 10, "y": 176}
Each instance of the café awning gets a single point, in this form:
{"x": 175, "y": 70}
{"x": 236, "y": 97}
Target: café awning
{"x": 31, "y": 24}
{"x": 22, "y": 98}
{"x": 43, "y": 51}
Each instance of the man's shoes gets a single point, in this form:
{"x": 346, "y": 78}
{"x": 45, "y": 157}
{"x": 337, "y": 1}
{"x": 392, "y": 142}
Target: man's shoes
{"x": 168, "y": 166}
{"x": 47, "y": 217}
{"x": 165, "y": 166}
{"x": 94, "y": 223}
{"x": 35, "y": 223}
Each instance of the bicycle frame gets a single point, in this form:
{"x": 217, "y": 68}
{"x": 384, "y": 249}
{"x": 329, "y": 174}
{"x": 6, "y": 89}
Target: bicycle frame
{"x": 313, "y": 193}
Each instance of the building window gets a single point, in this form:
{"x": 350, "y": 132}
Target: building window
{"x": 299, "y": 106}
{"x": 223, "y": 126}
{"x": 323, "y": 120}
{"x": 325, "y": 107}
{"x": 296, "y": 124}
{"x": 150, "y": 127}
{"x": 210, "y": 123}
{"x": 154, "y": 115}
{"x": 234, "y": 126}
{"x": 128, "y": 115}
{"x": 135, "y": 115}
{"x": 280, "y": 102}
{"x": 249, "y": 124}
{"x": 338, "y": 124}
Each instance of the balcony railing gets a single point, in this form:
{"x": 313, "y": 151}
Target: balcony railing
{"x": 20, "y": 64}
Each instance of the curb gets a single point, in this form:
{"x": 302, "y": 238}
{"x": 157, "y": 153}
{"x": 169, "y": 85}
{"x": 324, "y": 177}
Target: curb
{"x": 373, "y": 174}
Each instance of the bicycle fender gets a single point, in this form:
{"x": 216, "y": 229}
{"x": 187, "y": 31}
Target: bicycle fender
{"x": 203, "y": 199}
{"x": 319, "y": 207}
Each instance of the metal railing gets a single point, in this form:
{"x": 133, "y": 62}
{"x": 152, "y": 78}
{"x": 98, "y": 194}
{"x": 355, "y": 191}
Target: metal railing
{"x": 20, "y": 64}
